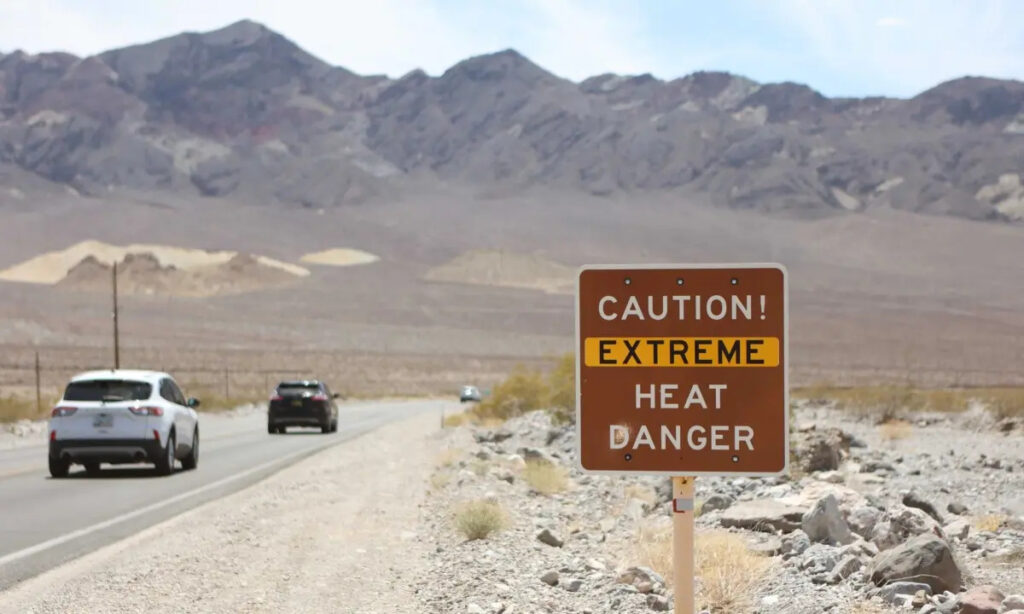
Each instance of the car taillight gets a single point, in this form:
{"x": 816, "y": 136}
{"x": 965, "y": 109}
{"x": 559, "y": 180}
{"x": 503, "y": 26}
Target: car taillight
{"x": 53, "y": 435}
{"x": 62, "y": 412}
{"x": 277, "y": 397}
{"x": 147, "y": 411}
{"x": 156, "y": 435}
{"x": 319, "y": 397}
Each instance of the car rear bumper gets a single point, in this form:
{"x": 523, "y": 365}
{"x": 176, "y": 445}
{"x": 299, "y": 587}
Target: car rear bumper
{"x": 106, "y": 450}
{"x": 298, "y": 420}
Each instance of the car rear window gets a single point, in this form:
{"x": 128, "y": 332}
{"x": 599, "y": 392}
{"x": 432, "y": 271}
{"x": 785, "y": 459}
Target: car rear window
{"x": 297, "y": 388}
{"x": 107, "y": 390}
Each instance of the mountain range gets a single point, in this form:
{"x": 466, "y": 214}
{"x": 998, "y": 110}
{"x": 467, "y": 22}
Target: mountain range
{"x": 244, "y": 114}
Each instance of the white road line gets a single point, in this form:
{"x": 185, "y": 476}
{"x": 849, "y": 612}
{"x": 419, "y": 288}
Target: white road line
{"x": 20, "y": 554}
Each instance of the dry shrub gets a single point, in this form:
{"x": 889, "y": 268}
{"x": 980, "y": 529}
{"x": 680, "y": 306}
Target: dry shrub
{"x": 545, "y": 478}
{"x": 562, "y": 389}
{"x": 641, "y": 492}
{"x": 989, "y": 522}
{"x": 455, "y": 420}
{"x": 480, "y": 519}
{"x": 895, "y": 429}
{"x": 448, "y": 457}
{"x": 523, "y": 391}
{"x": 526, "y": 390}
{"x": 654, "y": 548}
{"x": 1003, "y": 402}
{"x": 888, "y": 402}
{"x": 14, "y": 408}
{"x": 729, "y": 573}
{"x": 439, "y": 480}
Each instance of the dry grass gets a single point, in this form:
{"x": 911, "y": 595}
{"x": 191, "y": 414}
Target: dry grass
{"x": 895, "y": 429}
{"x": 448, "y": 457}
{"x": 545, "y": 478}
{"x": 641, "y": 492}
{"x": 439, "y": 480}
{"x": 526, "y": 390}
{"x": 456, "y": 420}
{"x": 729, "y": 574}
{"x": 868, "y": 607}
{"x": 480, "y": 519}
{"x": 14, "y": 408}
{"x": 989, "y": 522}
{"x": 890, "y": 402}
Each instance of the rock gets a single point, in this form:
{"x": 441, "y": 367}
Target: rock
{"x": 983, "y": 599}
{"x": 572, "y": 584}
{"x": 475, "y": 609}
{"x": 550, "y": 578}
{"x": 912, "y": 499}
{"x": 767, "y": 545}
{"x": 635, "y": 576}
{"x": 1012, "y": 602}
{"x": 832, "y": 477}
{"x": 659, "y": 603}
{"x": 796, "y": 543}
{"x": 845, "y": 567}
{"x": 533, "y": 454}
{"x": 817, "y": 450}
{"x": 763, "y": 515}
{"x": 595, "y": 565}
{"x": 492, "y": 436}
{"x": 516, "y": 461}
{"x": 956, "y": 508}
{"x": 891, "y": 592}
{"x": 958, "y": 529}
{"x": 716, "y": 502}
{"x": 663, "y": 490}
{"x": 862, "y": 520}
{"x": 819, "y": 559}
{"x": 925, "y": 558}
{"x": 824, "y": 523}
{"x": 549, "y": 537}
{"x": 900, "y": 524}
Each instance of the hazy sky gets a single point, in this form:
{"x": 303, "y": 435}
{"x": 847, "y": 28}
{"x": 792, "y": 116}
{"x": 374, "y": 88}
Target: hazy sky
{"x": 855, "y": 47}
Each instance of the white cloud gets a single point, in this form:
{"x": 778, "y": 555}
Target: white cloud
{"x": 890, "y": 22}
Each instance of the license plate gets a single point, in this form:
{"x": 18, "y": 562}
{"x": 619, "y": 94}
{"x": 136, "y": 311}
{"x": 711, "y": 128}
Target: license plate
{"x": 297, "y": 403}
{"x": 103, "y": 421}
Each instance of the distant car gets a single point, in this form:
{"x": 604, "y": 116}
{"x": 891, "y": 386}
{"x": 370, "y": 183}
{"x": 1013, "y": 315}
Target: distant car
{"x": 122, "y": 416}
{"x": 302, "y": 403}
{"x": 469, "y": 393}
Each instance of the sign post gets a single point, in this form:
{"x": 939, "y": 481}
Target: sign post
{"x": 681, "y": 370}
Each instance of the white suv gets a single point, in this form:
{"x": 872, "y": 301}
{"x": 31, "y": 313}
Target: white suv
{"x": 121, "y": 416}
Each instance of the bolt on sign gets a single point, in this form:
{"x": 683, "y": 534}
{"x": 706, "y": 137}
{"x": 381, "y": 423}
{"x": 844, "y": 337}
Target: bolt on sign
{"x": 682, "y": 370}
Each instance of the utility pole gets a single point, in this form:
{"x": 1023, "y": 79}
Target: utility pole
{"x": 117, "y": 344}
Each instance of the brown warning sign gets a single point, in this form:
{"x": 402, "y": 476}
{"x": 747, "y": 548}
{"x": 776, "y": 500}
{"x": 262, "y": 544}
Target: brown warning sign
{"x": 682, "y": 370}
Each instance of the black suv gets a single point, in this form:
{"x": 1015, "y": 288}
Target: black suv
{"x": 302, "y": 403}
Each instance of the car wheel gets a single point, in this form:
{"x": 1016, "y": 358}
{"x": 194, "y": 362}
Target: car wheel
{"x": 282, "y": 429}
{"x": 272, "y": 429}
{"x": 325, "y": 428}
{"x": 192, "y": 460}
{"x": 92, "y": 468}
{"x": 334, "y": 426}
{"x": 59, "y": 468}
{"x": 165, "y": 464}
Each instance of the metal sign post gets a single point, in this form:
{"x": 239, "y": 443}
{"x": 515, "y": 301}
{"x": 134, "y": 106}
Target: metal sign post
{"x": 681, "y": 370}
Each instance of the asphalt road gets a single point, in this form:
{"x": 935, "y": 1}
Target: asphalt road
{"x": 46, "y": 522}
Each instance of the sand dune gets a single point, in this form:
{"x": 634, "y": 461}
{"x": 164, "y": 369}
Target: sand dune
{"x": 52, "y": 267}
{"x": 340, "y": 256}
{"x": 506, "y": 269}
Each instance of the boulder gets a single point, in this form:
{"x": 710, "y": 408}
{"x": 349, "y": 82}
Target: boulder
{"x": 549, "y": 537}
{"x": 983, "y": 599}
{"x": 716, "y": 502}
{"x": 900, "y": 524}
{"x": 816, "y": 450}
{"x": 926, "y": 558}
{"x": 1011, "y": 603}
{"x": 763, "y": 515}
{"x": 862, "y": 520}
{"x": 550, "y": 578}
{"x": 824, "y": 523}
{"x": 958, "y": 529}
{"x": 912, "y": 499}
{"x": 956, "y": 508}
{"x": 890, "y": 593}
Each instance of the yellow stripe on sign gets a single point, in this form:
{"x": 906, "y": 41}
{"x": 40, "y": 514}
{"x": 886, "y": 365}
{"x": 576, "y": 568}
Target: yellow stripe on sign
{"x": 681, "y": 351}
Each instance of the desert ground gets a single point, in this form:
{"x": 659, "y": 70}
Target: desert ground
{"x": 876, "y": 296}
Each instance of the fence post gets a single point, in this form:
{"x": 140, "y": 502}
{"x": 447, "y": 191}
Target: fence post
{"x": 39, "y": 397}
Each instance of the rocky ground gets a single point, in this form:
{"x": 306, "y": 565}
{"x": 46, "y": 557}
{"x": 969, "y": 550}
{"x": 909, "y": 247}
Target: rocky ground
{"x": 925, "y": 516}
